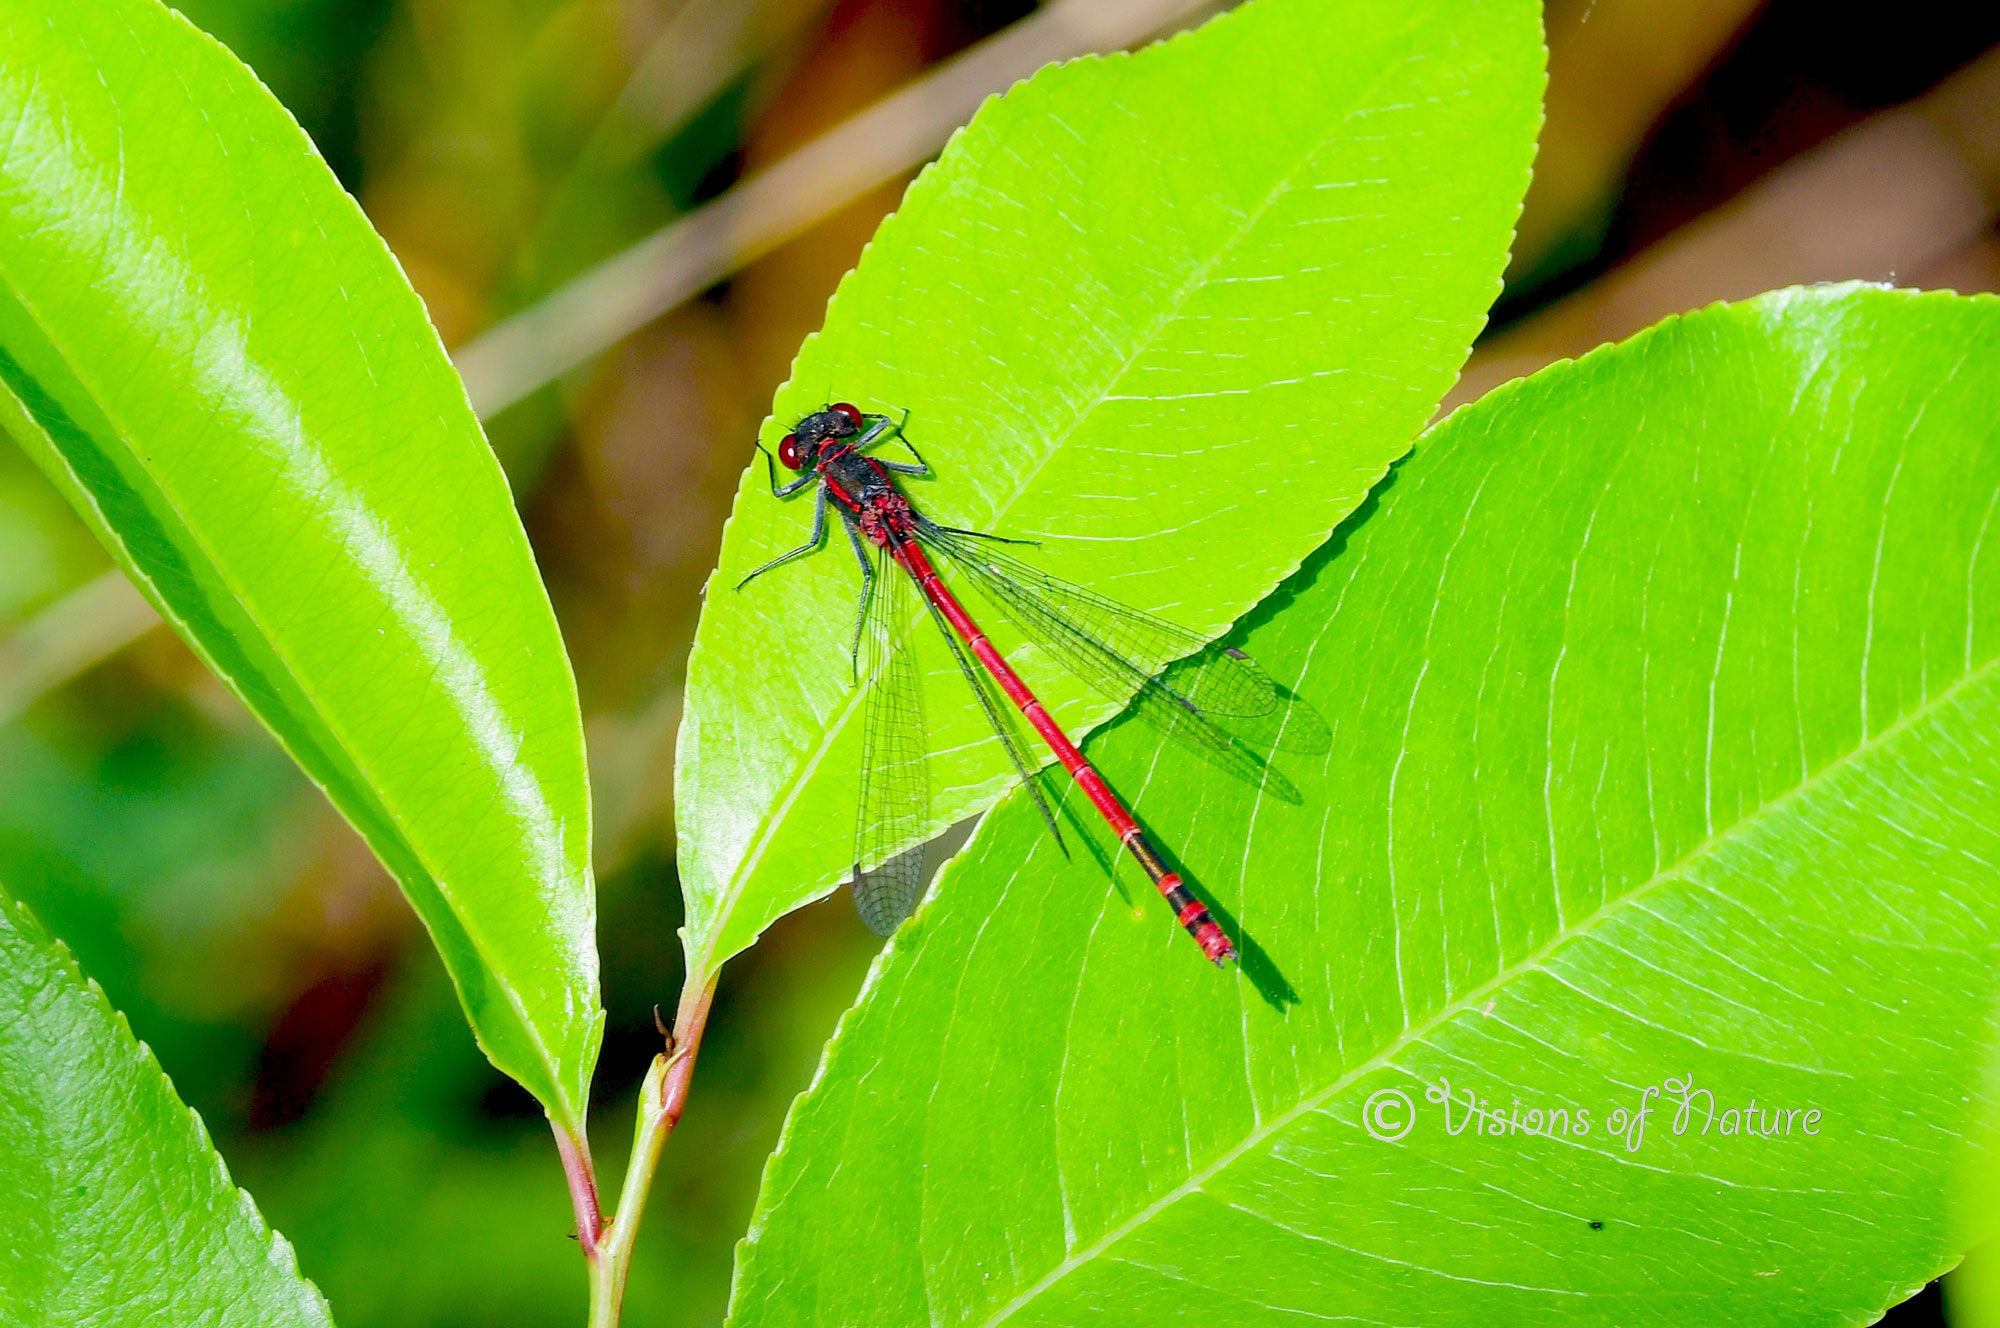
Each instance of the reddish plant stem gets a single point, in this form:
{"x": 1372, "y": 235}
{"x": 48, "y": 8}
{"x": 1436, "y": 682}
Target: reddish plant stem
{"x": 690, "y": 1022}
{"x": 582, "y": 1178}
{"x": 661, "y": 1100}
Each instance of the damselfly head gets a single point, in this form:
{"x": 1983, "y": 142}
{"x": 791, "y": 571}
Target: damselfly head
{"x": 802, "y": 444}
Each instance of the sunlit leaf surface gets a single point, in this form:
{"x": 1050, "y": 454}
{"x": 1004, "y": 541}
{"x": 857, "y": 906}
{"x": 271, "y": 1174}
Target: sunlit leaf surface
{"x": 1171, "y": 314}
{"x": 206, "y": 346}
{"x": 1666, "y": 751}
{"x": 116, "y": 1209}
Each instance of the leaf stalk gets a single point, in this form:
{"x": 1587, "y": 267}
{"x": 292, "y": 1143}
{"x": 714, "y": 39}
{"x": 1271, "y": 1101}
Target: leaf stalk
{"x": 662, "y": 1098}
{"x": 582, "y": 1178}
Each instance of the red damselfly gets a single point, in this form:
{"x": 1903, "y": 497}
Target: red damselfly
{"x": 1112, "y": 648}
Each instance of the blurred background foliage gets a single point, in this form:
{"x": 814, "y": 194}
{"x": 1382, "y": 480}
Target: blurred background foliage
{"x": 1695, "y": 150}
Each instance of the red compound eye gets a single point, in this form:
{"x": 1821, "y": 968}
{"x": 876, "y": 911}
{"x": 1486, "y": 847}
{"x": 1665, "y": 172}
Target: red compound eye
{"x": 850, "y": 411}
{"x": 788, "y": 451}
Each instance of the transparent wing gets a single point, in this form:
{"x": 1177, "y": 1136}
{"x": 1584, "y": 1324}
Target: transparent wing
{"x": 1111, "y": 647}
{"x": 1000, "y": 716}
{"x": 895, "y": 769}
{"x": 895, "y": 772}
{"x": 1215, "y": 679}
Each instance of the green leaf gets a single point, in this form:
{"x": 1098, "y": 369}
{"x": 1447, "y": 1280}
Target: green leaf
{"x": 208, "y": 349}
{"x": 1170, "y": 314}
{"x": 115, "y": 1207}
{"x": 1973, "y": 1290}
{"x": 1666, "y": 744}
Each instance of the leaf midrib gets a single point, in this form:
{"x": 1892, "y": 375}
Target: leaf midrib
{"x": 1414, "y": 1035}
{"x": 1197, "y": 280}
